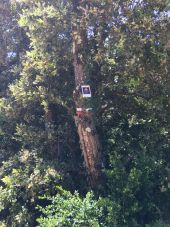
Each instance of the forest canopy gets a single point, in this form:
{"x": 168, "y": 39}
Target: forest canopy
{"x": 98, "y": 158}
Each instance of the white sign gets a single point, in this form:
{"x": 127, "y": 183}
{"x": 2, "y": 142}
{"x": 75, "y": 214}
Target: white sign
{"x": 86, "y": 91}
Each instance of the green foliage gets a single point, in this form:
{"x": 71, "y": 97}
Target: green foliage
{"x": 68, "y": 209}
{"x": 126, "y": 56}
{"x": 134, "y": 112}
{"x": 23, "y": 179}
{"x": 159, "y": 224}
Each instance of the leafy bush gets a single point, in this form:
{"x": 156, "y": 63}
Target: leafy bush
{"x": 68, "y": 209}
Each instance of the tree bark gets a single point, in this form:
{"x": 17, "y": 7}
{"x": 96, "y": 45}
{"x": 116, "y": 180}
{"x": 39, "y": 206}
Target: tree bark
{"x": 89, "y": 140}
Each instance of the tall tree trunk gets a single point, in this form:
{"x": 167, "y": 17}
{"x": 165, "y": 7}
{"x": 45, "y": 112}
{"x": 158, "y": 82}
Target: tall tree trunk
{"x": 89, "y": 140}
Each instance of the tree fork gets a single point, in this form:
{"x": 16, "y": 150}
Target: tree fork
{"x": 89, "y": 140}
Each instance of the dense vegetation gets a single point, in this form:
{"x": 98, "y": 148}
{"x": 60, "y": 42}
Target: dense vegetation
{"x": 43, "y": 179}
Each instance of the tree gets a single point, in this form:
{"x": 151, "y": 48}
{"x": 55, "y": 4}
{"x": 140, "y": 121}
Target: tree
{"x": 89, "y": 140}
{"x": 121, "y": 49}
